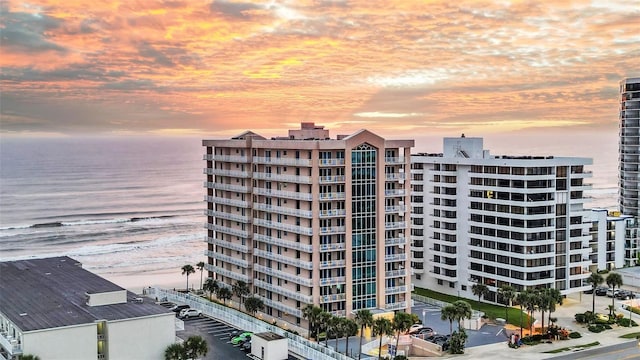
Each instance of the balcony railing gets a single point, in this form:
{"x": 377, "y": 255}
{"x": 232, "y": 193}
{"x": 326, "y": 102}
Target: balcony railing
{"x": 395, "y": 273}
{"x": 283, "y": 291}
{"x": 286, "y": 243}
{"x": 233, "y": 245}
{"x": 331, "y": 162}
{"x": 395, "y": 192}
{"x": 332, "y": 230}
{"x": 296, "y": 279}
{"x": 332, "y": 264}
{"x": 11, "y": 345}
{"x": 395, "y": 241}
{"x": 283, "y": 194}
{"x": 283, "y": 210}
{"x": 395, "y": 225}
{"x": 227, "y": 216}
{"x": 280, "y": 306}
{"x": 394, "y": 160}
{"x": 333, "y": 280}
{"x": 331, "y": 247}
{"x": 227, "y": 230}
{"x": 396, "y": 306}
{"x": 395, "y": 176}
{"x": 226, "y": 187}
{"x": 282, "y": 177}
{"x": 227, "y": 259}
{"x": 331, "y": 298}
{"x": 281, "y": 161}
{"x": 333, "y": 213}
{"x": 308, "y": 265}
{"x": 332, "y": 196}
{"x": 227, "y": 273}
{"x": 395, "y": 257}
{"x": 395, "y": 290}
{"x": 395, "y": 209}
{"x": 227, "y": 158}
{"x": 332, "y": 179}
{"x": 285, "y": 227}
{"x": 230, "y": 173}
{"x": 225, "y": 201}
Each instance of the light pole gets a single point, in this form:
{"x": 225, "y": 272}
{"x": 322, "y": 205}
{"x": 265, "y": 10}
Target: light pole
{"x": 424, "y": 317}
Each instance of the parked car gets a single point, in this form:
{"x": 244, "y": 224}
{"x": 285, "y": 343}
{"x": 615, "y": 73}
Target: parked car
{"x": 177, "y": 308}
{"x": 601, "y": 290}
{"x": 612, "y": 293}
{"x": 424, "y": 332}
{"x": 235, "y": 333}
{"x": 189, "y": 313}
{"x": 246, "y": 347}
{"x": 238, "y": 340}
{"x": 414, "y": 328}
{"x": 625, "y": 295}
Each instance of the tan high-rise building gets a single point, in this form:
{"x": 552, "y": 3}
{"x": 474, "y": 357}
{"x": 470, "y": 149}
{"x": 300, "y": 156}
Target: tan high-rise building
{"x": 307, "y": 219}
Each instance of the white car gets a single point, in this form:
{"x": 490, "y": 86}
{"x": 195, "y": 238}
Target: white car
{"x": 188, "y": 313}
{"x": 415, "y": 328}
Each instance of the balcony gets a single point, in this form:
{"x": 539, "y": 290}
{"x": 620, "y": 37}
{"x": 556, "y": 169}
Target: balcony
{"x": 226, "y": 158}
{"x": 285, "y": 243}
{"x": 10, "y": 344}
{"x": 332, "y": 230}
{"x": 332, "y": 196}
{"x": 395, "y": 290}
{"x": 332, "y": 298}
{"x": 296, "y": 279}
{"x": 395, "y": 192}
{"x": 227, "y": 259}
{"x": 227, "y": 216}
{"x": 332, "y": 264}
{"x": 395, "y": 176}
{"x": 333, "y": 280}
{"x": 283, "y": 210}
{"x": 395, "y": 241}
{"x": 283, "y": 291}
{"x": 280, "y": 306}
{"x": 230, "y": 173}
{"x": 395, "y": 209}
{"x": 332, "y": 247}
{"x": 332, "y": 179}
{"x": 308, "y": 265}
{"x": 227, "y": 230}
{"x": 225, "y": 201}
{"x": 227, "y": 273}
{"x": 395, "y": 225}
{"x": 333, "y": 213}
{"x": 395, "y": 273}
{"x": 281, "y": 161}
{"x": 233, "y": 245}
{"x": 283, "y": 194}
{"x": 395, "y": 257}
{"x": 282, "y": 177}
{"x": 285, "y": 227}
{"x": 331, "y": 162}
{"x": 396, "y": 306}
{"x": 226, "y": 187}
{"x": 339, "y": 313}
{"x": 395, "y": 160}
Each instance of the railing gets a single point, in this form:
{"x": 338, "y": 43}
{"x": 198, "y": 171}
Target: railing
{"x": 395, "y": 176}
{"x": 396, "y": 192}
{"x": 332, "y": 196}
{"x": 395, "y": 257}
{"x": 330, "y": 247}
{"x": 226, "y": 187}
{"x": 285, "y": 243}
{"x": 281, "y": 161}
{"x": 395, "y": 273}
{"x": 227, "y": 259}
{"x": 332, "y": 213}
{"x": 225, "y": 201}
{"x": 332, "y": 264}
{"x": 333, "y": 280}
{"x": 395, "y": 241}
{"x": 280, "y": 306}
{"x": 227, "y": 273}
{"x": 332, "y": 179}
{"x": 394, "y": 160}
{"x": 286, "y": 227}
{"x": 397, "y": 208}
{"x": 227, "y": 244}
{"x": 297, "y": 344}
{"x": 227, "y": 216}
{"x": 283, "y": 210}
{"x": 11, "y": 345}
{"x": 282, "y": 177}
{"x": 308, "y": 265}
{"x": 231, "y": 173}
{"x": 227, "y": 230}
{"x": 331, "y": 298}
{"x": 227, "y": 158}
{"x": 332, "y": 230}
{"x": 395, "y": 225}
{"x": 297, "y": 279}
{"x": 283, "y": 194}
{"x": 283, "y": 291}
{"x": 331, "y": 162}
{"x": 396, "y": 306}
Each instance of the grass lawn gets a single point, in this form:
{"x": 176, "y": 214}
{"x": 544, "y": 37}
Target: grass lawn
{"x": 491, "y": 310}
{"x": 572, "y": 347}
{"x": 634, "y": 335}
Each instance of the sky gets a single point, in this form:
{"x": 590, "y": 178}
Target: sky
{"x": 398, "y": 68}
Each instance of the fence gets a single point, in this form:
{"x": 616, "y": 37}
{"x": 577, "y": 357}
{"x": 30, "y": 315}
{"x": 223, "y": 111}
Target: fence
{"x": 297, "y": 344}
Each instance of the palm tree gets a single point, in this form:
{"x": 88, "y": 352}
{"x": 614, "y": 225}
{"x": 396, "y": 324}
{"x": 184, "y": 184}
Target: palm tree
{"x": 448, "y": 313}
{"x": 337, "y": 328}
{"x": 211, "y": 286}
{"x": 381, "y": 326}
{"x": 401, "y": 323}
{"x": 556, "y": 299}
{"x": 508, "y": 293}
{"x": 195, "y": 347}
{"x": 224, "y": 294}
{"x": 480, "y": 290}
{"x": 350, "y": 327}
{"x": 325, "y": 322}
{"x": 188, "y": 270}
{"x": 522, "y": 299}
{"x": 312, "y": 313}
{"x": 253, "y": 305}
{"x": 200, "y": 267}
{"x": 531, "y": 305}
{"x": 240, "y": 289}
{"x": 544, "y": 303}
{"x": 463, "y": 311}
{"x": 364, "y": 318}
{"x": 175, "y": 352}
{"x": 614, "y": 280}
{"x": 594, "y": 280}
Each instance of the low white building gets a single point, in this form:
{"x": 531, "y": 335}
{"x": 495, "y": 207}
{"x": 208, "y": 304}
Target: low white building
{"x": 608, "y": 236}
{"x": 269, "y": 346}
{"x": 54, "y": 309}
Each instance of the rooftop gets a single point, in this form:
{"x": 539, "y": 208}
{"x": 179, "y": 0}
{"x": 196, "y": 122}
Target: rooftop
{"x": 52, "y": 292}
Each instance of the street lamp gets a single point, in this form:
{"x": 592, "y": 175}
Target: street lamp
{"x": 424, "y": 317}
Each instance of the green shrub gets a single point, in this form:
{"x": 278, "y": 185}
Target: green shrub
{"x": 537, "y": 337}
{"x": 597, "y": 328}
{"x": 605, "y": 271}
{"x": 575, "y": 335}
{"x": 624, "y": 322}
{"x": 580, "y": 318}
{"x": 530, "y": 340}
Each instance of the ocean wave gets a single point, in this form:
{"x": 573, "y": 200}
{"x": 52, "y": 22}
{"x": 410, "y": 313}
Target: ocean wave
{"x": 89, "y": 222}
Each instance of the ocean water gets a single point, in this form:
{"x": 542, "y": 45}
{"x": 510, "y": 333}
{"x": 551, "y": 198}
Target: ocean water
{"x": 132, "y": 209}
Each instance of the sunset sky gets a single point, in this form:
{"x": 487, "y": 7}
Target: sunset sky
{"x": 397, "y": 68}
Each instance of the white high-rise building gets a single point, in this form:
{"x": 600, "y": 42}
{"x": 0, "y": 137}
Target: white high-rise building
{"x": 498, "y": 220}
{"x": 629, "y": 149}
{"x": 608, "y": 232}
{"x": 307, "y": 219}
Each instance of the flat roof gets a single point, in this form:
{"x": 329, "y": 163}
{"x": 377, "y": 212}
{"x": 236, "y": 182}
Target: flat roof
{"x": 269, "y": 336}
{"x": 38, "y": 294}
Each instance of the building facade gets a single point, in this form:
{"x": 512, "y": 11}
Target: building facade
{"x": 54, "y": 309}
{"x": 498, "y": 220}
{"x": 609, "y": 250}
{"x": 629, "y": 148}
{"x": 307, "y": 219}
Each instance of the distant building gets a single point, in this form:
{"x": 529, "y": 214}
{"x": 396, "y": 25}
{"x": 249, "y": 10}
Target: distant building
{"x": 629, "y": 149}
{"x": 608, "y": 232}
{"x": 498, "y": 220}
{"x": 307, "y": 219}
{"x": 54, "y": 309}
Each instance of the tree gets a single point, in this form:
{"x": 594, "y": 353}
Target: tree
{"x": 556, "y": 299}
{"x": 253, "y": 305}
{"x": 224, "y": 294}
{"x": 594, "y": 280}
{"x": 448, "y": 313}
{"x": 311, "y": 313}
{"x": 200, "y": 267}
{"x": 325, "y": 322}
{"x": 350, "y": 327}
{"x": 531, "y": 305}
{"x": 211, "y": 286}
{"x": 480, "y": 290}
{"x": 457, "y": 341}
{"x": 188, "y": 270}
{"x": 507, "y": 292}
{"x": 614, "y": 280}
{"x": 381, "y": 326}
{"x": 337, "y": 325}
{"x": 240, "y": 289}
{"x": 364, "y": 318}
{"x": 28, "y": 357}
{"x": 544, "y": 303}
{"x": 195, "y": 347}
{"x": 463, "y": 311}
{"x": 522, "y": 298}
{"x": 401, "y": 323}
{"x": 175, "y": 352}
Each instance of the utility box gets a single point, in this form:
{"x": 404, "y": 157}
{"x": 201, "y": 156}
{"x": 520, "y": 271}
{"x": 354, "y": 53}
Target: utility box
{"x": 269, "y": 346}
